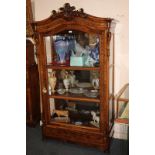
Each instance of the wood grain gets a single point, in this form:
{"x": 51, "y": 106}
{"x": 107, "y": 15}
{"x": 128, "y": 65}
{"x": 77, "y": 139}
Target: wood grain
{"x": 89, "y": 24}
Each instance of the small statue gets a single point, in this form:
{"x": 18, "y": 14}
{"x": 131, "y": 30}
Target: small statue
{"x": 89, "y": 61}
{"x": 79, "y": 50}
{"x": 61, "y": 113}
{"x": 96, "y": 119}
{"x": 66, "y": 81}
{"x": 62, "y": 74}
{"x": 52, "y": 81}
{"x": 95, "y": 81}
{"x": 72, "y": 78}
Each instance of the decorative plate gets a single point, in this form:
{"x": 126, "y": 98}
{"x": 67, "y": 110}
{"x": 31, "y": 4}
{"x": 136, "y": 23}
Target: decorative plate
{"x": 91, "y": 93}
{"x": 77, "y": 90}
{"x": 61, "y": 91}
{"x": 84, "y": 85}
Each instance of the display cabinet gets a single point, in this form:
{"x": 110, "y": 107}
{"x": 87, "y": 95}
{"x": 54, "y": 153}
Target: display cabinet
{"x": 76, "y": 66}
{"x": 32, "y": 87}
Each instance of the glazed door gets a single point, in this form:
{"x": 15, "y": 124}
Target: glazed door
{"x": 71, "y": 71}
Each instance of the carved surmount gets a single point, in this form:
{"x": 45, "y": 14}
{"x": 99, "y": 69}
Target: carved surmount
{"x": 68, "y": 12}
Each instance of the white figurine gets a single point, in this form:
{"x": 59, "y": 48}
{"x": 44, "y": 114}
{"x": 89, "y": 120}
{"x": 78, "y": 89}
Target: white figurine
{"x": 79, "y": 50}
{"x": 96, "y": 119}
{"x": 89, "y": 61}
{"x": 72, "y": 78}
{"x": 66, "y": 81}
{"x": 52, "y": 81}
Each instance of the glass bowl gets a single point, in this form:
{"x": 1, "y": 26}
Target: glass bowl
{"x": 61, "y": 91}
{"x": 91, "y": 93}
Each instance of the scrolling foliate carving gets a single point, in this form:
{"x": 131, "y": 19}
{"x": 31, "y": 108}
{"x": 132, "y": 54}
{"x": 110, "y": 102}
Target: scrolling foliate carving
{"x": 68, "y": 12}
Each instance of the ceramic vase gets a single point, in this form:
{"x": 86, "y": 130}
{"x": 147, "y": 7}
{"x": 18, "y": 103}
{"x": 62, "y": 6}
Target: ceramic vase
{"x": 94, "y": 53}
{"x": 61, "y": 47}
{"x": 95, "y": 80}
{"x": 52, "y": 81}
{"x": 66, "y": 81}
{"x": 95, "y": 83}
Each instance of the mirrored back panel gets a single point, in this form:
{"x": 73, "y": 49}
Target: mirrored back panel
{"x": 72, "y": 48}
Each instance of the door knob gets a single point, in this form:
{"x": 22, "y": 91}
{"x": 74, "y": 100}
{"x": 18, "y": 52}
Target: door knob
{"x": 44, "y": 90}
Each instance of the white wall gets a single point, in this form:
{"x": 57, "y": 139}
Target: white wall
{"x": 117, "y": 9}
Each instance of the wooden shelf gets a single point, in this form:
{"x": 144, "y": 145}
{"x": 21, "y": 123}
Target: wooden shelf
{"x": 69, "y": 125}
{"x": 50, "y": 66}
{"x": 88, "y": 30}
{"x": 69, "y": 96}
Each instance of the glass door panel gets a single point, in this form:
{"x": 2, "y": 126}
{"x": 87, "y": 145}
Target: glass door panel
{"x": 82, "y": 84}
{"x": 75, "y": 112}
{"x": 111, "y": 111}
{"x": 72, "y": 48}
{"x": 111, "y": 48}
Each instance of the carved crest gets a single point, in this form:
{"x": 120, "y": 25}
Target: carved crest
{"x": 68, "y": 12}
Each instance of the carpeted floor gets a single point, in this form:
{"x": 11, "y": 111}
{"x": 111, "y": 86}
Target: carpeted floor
{"x": 35, "y": 146}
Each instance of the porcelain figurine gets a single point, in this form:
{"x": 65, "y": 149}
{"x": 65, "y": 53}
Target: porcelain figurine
{"x": 79, "y": 50}
{"x": 89, "y": 61}
{"x": 94, "y": 48}
{"x": 95, "y": 82}
{"x": 62, "y": 74}
{"x": 52, "y": 81}
{"x": 66, "y": 81}
{"x": 94, "y": 53}
{"x": 96, "y": 119}
{"x": 72, "y": 78}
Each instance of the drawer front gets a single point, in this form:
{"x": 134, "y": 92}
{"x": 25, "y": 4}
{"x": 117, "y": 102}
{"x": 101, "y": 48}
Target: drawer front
{"x": 74, "y": 136}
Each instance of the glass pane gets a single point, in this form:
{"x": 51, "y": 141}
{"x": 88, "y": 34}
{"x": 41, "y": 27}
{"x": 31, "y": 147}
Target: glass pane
{"x": 111, "y": 80}
{"x": 111, "y": 111}
{"x": 74, "y": 83}
{"x": 122, "y": 107}
{"x": 72, "y": 48}
{"x": 123, "y": 103}
{"x": 75, "y": 112}
{"x": 125, "y": 94}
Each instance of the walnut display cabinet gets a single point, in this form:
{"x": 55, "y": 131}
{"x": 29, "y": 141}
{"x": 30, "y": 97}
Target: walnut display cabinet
{"x": 76, "y": 66}
{"x": 32, "y": 87}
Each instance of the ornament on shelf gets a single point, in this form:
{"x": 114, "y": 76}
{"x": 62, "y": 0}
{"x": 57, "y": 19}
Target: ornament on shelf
{"x": 61, "y": 47}
{"x": 95, "y": 81}
{"x": 96, "y": 119}
{"x": 66, "y": 81}
{"x": 52, "y": 81}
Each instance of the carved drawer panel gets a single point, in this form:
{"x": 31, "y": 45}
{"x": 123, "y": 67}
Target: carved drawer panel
{"x": 73, "y": 136}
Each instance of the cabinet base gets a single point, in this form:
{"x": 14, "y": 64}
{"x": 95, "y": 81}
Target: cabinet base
{"x": 86, "y": 138}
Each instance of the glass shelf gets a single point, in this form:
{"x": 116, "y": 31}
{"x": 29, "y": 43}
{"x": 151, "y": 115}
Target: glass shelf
{"x": 74, "y": 112}
{"x": 69, "y": 125}
{"x": 50, "y": 66}
{"x": 74, "y": 97}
